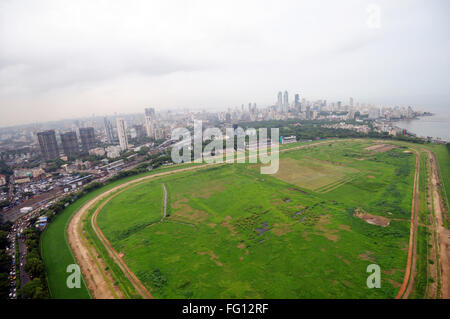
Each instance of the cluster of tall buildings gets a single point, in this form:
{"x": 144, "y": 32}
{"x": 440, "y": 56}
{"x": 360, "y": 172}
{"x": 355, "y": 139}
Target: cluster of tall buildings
{"x": 69, "y": 140}
{"x": 283, "y": 105}
{"x": 150, "y": 129}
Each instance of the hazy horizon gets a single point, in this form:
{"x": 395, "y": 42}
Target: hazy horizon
{"x": 61, "y": 59}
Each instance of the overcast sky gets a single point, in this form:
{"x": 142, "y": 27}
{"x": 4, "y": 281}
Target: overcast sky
{"x": 62, "y": 59}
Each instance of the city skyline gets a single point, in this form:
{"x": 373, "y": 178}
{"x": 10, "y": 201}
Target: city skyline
{"x": 120, "y": 58}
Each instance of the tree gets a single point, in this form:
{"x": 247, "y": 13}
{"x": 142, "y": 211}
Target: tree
{"x": 34, "y": 267}
{"x": 143, "y": 151}
{"x": 34, "y": 290}
{"x": 4, "y": 285}
{"x": 3, "y": 239}
{"x": 5, "y": 261}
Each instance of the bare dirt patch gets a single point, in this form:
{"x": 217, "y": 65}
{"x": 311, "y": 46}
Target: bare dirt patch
{"x": 366, "y": 256}
{"x": 372, "y": 219}
{"x": 380, "y": 147}
{"x": 212, "y": 256}
{"x": 391, "y": 271}
{"x": 345, "y": 227}
{"x": 305, "y": 235}
{"x": 281, "y": 229}
{"x": 212, "y": 189}
{"x": 394, "y": 283}
{"x": 328, "y": 233}
{"x": 184, "y": 212}
{"x": 227, "y": 224}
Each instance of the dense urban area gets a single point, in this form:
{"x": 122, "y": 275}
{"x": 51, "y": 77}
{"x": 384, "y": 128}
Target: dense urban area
{"x": 46, "y": 166}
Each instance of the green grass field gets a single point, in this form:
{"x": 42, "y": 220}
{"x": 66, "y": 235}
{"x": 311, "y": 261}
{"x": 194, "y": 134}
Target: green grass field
{"x": 234, "y": 233}
{"x": 55, "y": 249}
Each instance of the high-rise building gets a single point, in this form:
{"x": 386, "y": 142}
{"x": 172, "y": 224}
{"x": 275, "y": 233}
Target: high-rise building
{"x": 351, "y": 102}
{"x": 48, "y": 144}
{"x": 150, "y": 122}
{"x": 297, "y": 104}
{"x": 308, "y": 112}
{"x": 109, "y": 131}
{"x": 70, "y": 143}
{"x": 87, "y": 136}
{"x": 140, "y": 130}
{"x": 122, "y": 134}
{"x": 285, "y": 102}
{"x": 280, "y": 102}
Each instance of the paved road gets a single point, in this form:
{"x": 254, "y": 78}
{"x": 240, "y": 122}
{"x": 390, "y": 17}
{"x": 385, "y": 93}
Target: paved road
{"x": 24, "y": 277}
{"x": 14, "y": 213}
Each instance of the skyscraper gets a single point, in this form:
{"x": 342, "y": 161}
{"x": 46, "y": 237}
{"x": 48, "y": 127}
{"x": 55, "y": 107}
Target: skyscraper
{"x": 297, "y": 104}
{"x": 149, "y": 122}
{"x": 109, "y": 131}
{"x": 122, "y": 134}
{"x": 70, "y": 143}
{"x": 48, "y": 144}
{"x": 280, "y": 102}
{"x": 285, "y": 102}
{"x": 351, "y": 102}
{"x": 87, "y": 137}
{"x": 308, "y": 112}
{"x": 140, "y": 130}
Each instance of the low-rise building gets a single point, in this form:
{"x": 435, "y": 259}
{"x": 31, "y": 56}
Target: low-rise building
{"x": 2, "y": 180}
{"x": 288, "y": 139}
{"x": 113, "y": 151}
{"x": 99, "y": 151}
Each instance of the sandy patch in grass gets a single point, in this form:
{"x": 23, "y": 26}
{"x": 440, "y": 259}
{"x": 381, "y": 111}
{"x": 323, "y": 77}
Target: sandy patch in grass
{"x": 372, "y": 219}
{"x": 366, "y": 256}
{"x": 394, "y": 283}
{"x": 380, "y": 147}
{"x": 345, "y": 227}
{"x": 212, "y": 188}
{"x": 344, "y": 260}
{"x": 184, "y": 212}
{"x": 227, "y": 224}
{"x": 392, "y": 271}
{"x": 328, "y": 233}
{"x": 281, "y": 229}
{"x": 305, "y": 235}
{"x": 212, "y": 256}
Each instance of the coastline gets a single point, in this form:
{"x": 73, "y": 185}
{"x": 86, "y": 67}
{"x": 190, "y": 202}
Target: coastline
{"x": 435, "y": 125}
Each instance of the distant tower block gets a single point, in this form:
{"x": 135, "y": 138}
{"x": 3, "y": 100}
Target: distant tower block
{"x": 122, "y": 134}
{"x": 150, "y": 122}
